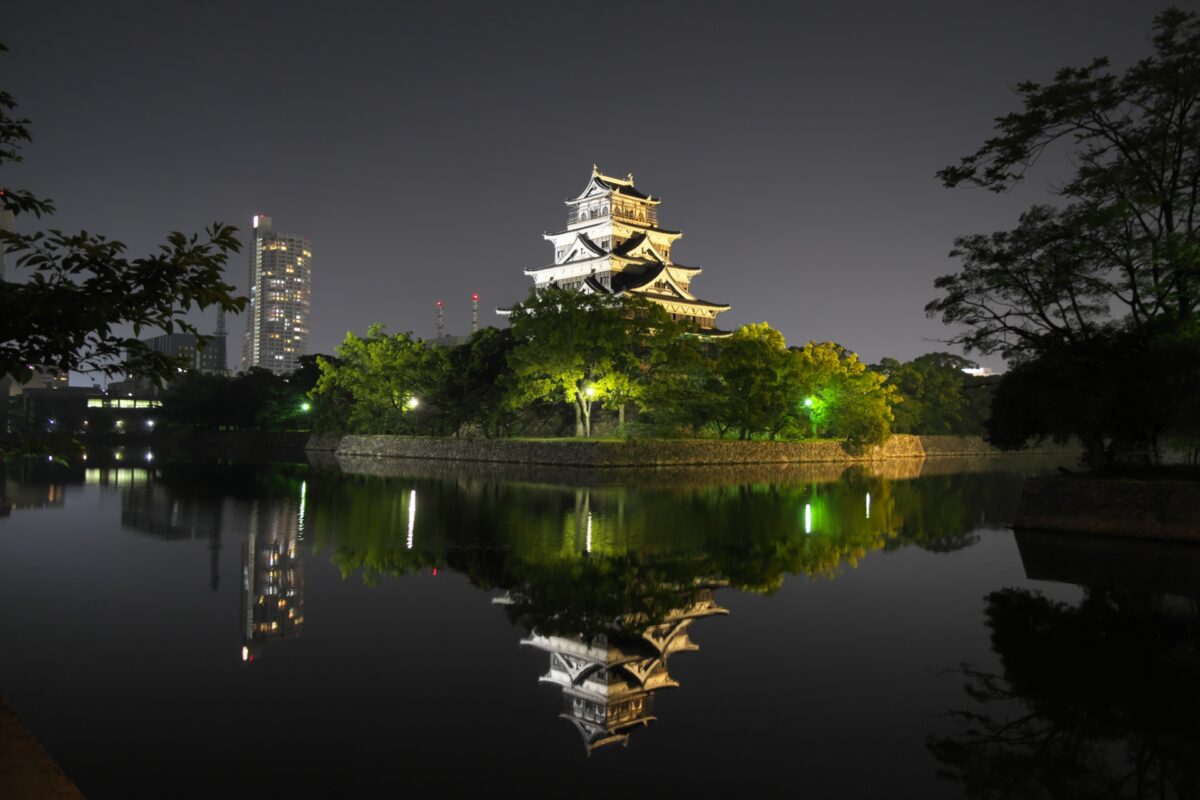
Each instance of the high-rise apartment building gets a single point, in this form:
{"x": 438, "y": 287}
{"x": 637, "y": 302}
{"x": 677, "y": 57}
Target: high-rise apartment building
{"x": 280, "y": 298}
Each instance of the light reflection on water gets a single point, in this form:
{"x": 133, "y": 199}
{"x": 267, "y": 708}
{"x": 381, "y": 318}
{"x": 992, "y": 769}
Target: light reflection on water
{"x": 606, "y": 584}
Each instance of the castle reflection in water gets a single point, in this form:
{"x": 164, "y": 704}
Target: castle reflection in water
{"x": 608, "y": 684}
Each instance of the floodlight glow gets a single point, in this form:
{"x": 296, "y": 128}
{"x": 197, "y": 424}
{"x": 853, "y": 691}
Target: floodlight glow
{"x": 590, "y": 391}
{"x": 305, "y": 406}
{"x": 303, "y": 493}
{"x": 413, "y": 402}
{"x": 412, "y": 518}
{"x": 808, "y": 402}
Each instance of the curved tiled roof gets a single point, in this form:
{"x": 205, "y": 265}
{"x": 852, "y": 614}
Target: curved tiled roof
{"x": 619, "y": 187}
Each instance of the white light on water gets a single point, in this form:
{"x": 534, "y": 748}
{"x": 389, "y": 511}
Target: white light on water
{"x": 300, "y": 521}
{"x": 808, "y": 517}
{"x": 868, "y": 505}
{"x": 589, "y": 532}
{"x": 412, "y": 517}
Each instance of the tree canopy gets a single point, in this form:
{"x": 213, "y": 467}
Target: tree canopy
{"x": 1122, "y": 246}
{"x": 586, "y": 348}
{"x": 1110, "y": 270}
{"x": 81, "y": 289}
{"x": 938, "y": 397}
{"x": 386, "y": 378}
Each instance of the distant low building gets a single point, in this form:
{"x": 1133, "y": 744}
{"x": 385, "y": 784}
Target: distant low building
{"x": 78, "y": 410}
{"x": 210, "y": 359}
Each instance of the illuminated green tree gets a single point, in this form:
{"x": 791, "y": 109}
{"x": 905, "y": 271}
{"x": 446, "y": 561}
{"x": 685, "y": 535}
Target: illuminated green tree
{"x": 387, "y": 378}
{"x": 840, "y": 397}
{"x": 586, "y": 348}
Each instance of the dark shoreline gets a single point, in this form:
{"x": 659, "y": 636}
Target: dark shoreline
{"x": 27, "y": 772}
{"x": 1157, "y": 506}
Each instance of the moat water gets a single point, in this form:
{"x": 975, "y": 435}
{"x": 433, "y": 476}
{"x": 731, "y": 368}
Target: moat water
{"x": 190, "y": 630}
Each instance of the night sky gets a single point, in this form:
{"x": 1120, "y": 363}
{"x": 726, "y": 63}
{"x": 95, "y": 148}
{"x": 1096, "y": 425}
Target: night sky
{"x": 425, "y": 148}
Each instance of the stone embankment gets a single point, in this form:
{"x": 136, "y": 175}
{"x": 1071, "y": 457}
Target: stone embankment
{"x": 645, "y": 452}
{"x": 1143, "y": 509}
{"x": 26, "y": 772}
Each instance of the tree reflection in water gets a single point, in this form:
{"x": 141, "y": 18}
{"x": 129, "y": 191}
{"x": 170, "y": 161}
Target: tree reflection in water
{"x": 607, "y": 580}
{"x": 1096, "y": 700}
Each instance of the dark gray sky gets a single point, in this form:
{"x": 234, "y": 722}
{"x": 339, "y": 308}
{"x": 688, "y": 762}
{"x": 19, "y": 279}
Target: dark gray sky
{"x": 424, "y": 148}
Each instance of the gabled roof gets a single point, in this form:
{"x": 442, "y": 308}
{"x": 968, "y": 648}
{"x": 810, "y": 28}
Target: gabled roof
{"x": 630, "y": 243}
{"x": 593, "y": 286}
{"x": 635, "y": 277}
{"x": 599, "y": 182}
{"x": 592, "y": 246}
{"x": 636, "y": 242}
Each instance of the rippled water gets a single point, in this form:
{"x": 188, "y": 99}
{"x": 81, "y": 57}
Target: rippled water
{"x": 188, "y": 630}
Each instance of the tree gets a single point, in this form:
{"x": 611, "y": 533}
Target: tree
{"x": 938, "y": 397}
{"x": 256, "y": 399}
{"x": 386, "y": 377}
{"x": 81, "y": 288}
{"x": 1116, "y": 260}
{"x": 586, "y": 348}
{"x": 758, "y": 382}
{"x": 470, "y": 396}
{"x": 841, "y": 397}
{"x": 1096, "y": 699}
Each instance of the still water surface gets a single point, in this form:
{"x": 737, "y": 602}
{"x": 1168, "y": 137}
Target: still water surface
{"x": 182, "y": 630}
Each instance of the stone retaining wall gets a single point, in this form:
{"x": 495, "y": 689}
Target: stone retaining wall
{"x": 1145, "y": 509}
{"x": 648, "y": 452}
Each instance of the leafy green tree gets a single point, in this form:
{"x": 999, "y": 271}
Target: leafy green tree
{"x": 81, "y": 289}
{"x": 586, "y": 348}
{"x": 757, "y": 378}
{"x": 1124, "y": 241}
{"x": 938, "y": 397}
{"x": 387, "y": 378}
{"x": 470, "y": 396}
{"x": 1118, "y": 254}
{"x": 256, "y": 399}
{"x": 688, "y": 396}
{"x": 840, "y": 397}
{"x": 1118, "y": 393}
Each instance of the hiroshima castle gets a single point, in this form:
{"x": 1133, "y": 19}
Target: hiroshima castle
{"x": 613, "y": 245}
